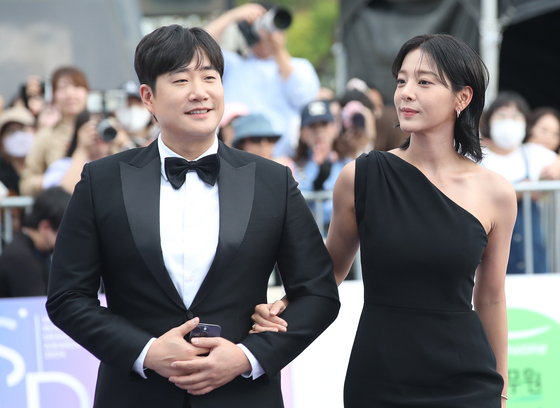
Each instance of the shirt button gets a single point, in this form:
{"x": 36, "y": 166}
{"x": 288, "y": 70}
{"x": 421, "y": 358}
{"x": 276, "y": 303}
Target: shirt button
{"x": 191, "y": 278}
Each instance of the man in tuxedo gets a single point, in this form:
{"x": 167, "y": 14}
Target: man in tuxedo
{"x": 175, "y": 246}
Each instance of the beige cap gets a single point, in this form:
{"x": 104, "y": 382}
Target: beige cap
{"x": 17, "y": 114}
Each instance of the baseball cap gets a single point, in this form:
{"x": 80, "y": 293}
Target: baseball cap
{"x": 253, "y": 125}
{"x": 17, "y": 114}
{"x": 317, "y": 111}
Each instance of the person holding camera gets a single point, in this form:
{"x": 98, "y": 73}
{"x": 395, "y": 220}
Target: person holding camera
{"x": 269, "y": 80}
{"x": 70, "y": 91}
{"x": 93, "y": 139}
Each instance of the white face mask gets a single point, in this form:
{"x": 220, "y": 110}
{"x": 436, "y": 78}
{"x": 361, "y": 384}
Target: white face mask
{"x": 134, "y": 118}
{"x": 18, "y": 144}
{"x": 508, "y": 133}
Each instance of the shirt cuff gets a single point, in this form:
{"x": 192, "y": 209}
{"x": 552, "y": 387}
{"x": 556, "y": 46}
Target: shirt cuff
{"x": 256, "y": 368}
{"x": 138, "y": 366}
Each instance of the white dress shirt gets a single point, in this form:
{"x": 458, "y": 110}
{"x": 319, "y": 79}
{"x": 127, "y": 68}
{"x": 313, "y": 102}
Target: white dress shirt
{"x": 189, "y": 231}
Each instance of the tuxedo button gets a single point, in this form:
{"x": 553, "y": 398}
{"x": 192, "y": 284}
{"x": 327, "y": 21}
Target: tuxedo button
{"x": 189, "y": 315}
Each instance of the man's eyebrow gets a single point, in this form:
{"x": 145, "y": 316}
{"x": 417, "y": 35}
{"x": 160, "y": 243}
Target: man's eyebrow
{"x": 187, "y": 68}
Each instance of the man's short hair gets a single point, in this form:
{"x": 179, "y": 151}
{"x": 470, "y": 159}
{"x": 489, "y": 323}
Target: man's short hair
{"x": 49, "y": 205}
{"x": 171, "y": 47}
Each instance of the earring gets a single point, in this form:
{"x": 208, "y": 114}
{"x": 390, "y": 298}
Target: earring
{"x": 458, "y": 113}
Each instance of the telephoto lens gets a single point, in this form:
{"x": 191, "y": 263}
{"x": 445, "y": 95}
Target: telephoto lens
{"x": 106, "y": 131}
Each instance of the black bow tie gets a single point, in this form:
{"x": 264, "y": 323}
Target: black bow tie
{"x": 207, "y": 169}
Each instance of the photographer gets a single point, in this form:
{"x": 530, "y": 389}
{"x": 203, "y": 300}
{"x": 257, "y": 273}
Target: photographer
{"x": 94, "y": 138}
{"x": 268, "y": 80}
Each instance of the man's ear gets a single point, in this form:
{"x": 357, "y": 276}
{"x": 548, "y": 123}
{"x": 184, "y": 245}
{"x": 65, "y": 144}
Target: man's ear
{"x": 147, "y": 96}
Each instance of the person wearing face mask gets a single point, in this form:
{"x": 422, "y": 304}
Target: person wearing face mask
{"x": 135, "y": 118}
{"x": 70, "y": 91}
{"x": 16, "y": 139}
{"x": 507, "y": 152}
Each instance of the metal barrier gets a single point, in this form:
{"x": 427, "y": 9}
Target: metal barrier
{"x": 8, "y": 205}
{"x": 549, "y": 204}
{"x": 550, "y": 220}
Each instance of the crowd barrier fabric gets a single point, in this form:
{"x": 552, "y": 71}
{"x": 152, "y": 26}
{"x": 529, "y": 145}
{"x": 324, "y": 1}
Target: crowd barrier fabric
{"x": 40, "y": 367}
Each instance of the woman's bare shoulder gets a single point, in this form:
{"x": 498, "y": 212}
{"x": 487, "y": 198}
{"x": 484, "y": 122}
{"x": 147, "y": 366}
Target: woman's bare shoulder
{"x": 495, "y": 187}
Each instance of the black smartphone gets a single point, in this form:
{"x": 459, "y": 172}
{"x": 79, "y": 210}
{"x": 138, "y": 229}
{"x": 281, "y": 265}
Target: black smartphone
{"x": 205, "y": 330}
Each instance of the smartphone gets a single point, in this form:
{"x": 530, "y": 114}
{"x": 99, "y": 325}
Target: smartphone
{"x": 205, "y": 330}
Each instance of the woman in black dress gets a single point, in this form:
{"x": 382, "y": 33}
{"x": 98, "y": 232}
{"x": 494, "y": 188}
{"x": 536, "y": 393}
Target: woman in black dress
{"x": 428, "y": 220}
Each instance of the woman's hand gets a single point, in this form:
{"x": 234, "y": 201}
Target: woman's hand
{"x": 87, "y": 135}
{"x": 266, "y": 317}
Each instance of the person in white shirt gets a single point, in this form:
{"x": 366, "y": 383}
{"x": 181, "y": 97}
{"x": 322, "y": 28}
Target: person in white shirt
{"x": 509, "y": 154}
{"x": 268, "y": 80}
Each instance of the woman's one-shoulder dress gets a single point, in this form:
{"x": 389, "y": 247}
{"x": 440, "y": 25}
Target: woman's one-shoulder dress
{"x": 419, "y": 343}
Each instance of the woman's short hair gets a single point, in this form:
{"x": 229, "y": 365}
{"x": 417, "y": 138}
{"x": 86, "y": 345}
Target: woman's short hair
{"x": 77, "y": 77}
{"x": 459, "y": 64}
{"x": 504, "y": 98}
{"x": 171, "y": 47}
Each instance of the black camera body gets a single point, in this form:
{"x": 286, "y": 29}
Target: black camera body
{"x": 102, "y": 104}
{"x": 277, "y": 18}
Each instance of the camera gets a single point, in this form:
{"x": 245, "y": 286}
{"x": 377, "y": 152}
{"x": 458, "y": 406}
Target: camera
{"x": 277, "y": 18}
{"x": 103, "y": 103}
{"x": 106, "y": 131}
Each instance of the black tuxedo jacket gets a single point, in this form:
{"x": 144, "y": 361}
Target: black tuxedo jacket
{"x": 111, "y": 231}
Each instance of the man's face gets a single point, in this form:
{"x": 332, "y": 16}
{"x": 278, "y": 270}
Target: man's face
{"x": 188, "y": 103}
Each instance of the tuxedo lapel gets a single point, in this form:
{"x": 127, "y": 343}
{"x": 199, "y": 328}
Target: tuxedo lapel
{"x": 236, "y": 186}
{"x": 141, "y": 181}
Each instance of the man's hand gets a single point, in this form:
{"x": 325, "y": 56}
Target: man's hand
{"x": 171, "y": 347}
{"x": 249, "y": 12}
{"x": 225, "y": 362}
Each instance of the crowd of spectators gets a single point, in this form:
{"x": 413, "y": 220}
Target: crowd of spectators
{"x": 275, "y": 107}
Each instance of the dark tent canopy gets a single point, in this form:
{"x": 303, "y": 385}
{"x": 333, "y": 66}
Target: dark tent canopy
{"x": 373, "y": 31}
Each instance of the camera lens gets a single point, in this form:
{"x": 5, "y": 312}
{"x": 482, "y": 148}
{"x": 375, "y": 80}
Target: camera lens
{"x": 196, "y": 331}
{"x": 282, "y": 19}
{"x": 106, "y": 131}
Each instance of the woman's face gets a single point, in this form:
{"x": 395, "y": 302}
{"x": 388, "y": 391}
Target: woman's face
{"x": 424, "y": 104}
{"x": 546, "y": 132}
{"x": 70, "y": 98}
{"x": 507, "y": 112}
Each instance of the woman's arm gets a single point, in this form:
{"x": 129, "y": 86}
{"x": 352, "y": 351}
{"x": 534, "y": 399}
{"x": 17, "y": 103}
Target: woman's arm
{"x": 343, "y": 240}
{"x": 342, "y": 243}
{"x": 489, "y": 289}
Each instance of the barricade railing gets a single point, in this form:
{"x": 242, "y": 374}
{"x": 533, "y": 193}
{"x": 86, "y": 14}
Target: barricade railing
{"x": 7, "y": 207}
{"x": 549, "y": 204}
